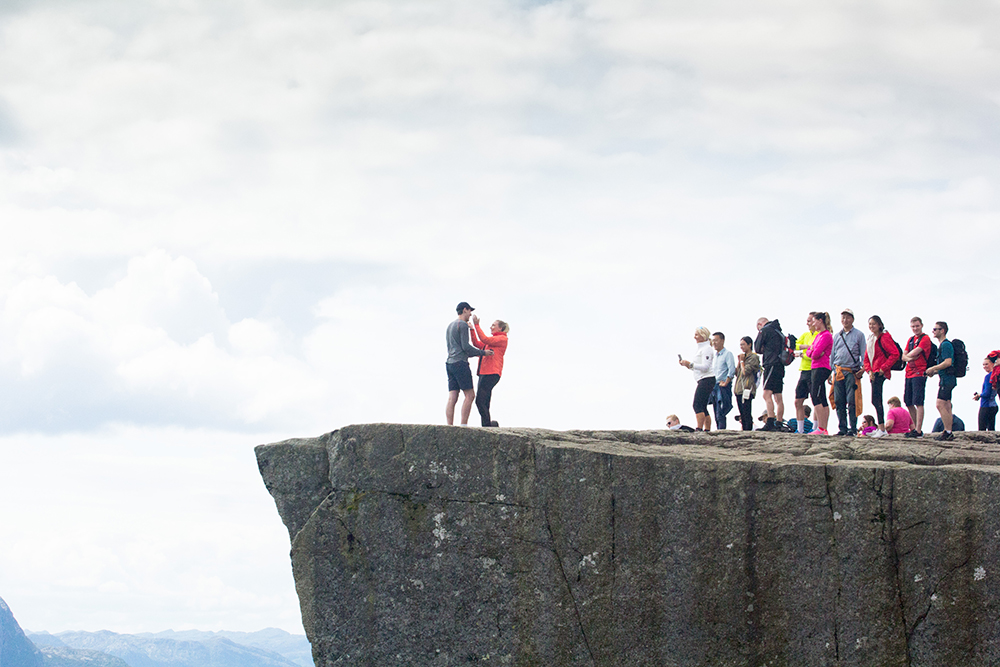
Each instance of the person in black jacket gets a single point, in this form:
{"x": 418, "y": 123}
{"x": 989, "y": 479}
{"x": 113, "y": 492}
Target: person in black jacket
{"x": 769, "y": 344}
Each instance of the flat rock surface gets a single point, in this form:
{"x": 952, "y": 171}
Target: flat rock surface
{"x": 417, "y": 545}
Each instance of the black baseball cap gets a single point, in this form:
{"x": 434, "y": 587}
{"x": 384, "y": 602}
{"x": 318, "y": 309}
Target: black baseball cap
{"x": 462, "y": 306}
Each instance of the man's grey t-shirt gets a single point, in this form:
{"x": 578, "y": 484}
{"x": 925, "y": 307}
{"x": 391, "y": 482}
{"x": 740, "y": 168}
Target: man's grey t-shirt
{"x": 459, "y": 346}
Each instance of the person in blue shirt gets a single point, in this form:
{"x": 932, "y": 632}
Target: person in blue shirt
{"x": 943, "y": 367}
{"x": 793, "y": 423}
{"x": 724, "y": 367}
{"x": 987, "y": 398}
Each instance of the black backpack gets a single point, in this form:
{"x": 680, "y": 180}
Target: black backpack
{"x": 899, "y": 363}
{"x": 960, "y": 362}
{"x": 788, "y": 353}
{"x": 932, "y": 355}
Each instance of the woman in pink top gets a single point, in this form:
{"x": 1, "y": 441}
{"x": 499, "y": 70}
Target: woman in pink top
{"x": 819, "y": 352}
{"x": 897, "y": 420}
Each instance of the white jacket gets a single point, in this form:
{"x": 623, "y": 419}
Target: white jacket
{"x": 702, "y": 362}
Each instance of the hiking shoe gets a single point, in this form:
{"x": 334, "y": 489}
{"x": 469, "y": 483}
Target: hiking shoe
{"x": 879, "y": 434}
{"x": 494, "y": 424}
{"x": 852, "y": 432}
{"x": 946, "y": 435}
{"x": 913, "y": 434}
{"x": 770, "y": 426}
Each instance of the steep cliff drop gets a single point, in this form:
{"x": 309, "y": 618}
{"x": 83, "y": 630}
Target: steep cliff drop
{"x": 16, "y": 650}
{"x": 436, "y": 545}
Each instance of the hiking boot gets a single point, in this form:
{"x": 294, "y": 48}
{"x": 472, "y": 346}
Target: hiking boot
{"x": 770, "y": 426}
{"x": 946, "y": 435}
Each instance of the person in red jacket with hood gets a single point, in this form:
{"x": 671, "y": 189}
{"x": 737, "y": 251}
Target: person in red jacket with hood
{"x": 489, "y": 370}
{"x": 880, "y": 355}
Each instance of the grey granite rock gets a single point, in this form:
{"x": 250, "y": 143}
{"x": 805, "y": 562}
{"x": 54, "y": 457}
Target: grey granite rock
{"x": 434, "y": 545}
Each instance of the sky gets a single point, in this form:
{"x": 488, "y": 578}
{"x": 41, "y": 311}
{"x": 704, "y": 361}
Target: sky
{"x": 231, "y": 223}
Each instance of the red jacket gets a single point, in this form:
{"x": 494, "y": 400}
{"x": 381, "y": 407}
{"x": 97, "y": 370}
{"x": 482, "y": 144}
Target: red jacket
{"x": 490, "y": 365}
{"x": 885, "y": 355}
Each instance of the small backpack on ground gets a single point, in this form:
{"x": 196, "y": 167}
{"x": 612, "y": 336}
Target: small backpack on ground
{"x": 899, "y": 363}
{"x": 960, "y": 362}
{"x": 788, "y": 353}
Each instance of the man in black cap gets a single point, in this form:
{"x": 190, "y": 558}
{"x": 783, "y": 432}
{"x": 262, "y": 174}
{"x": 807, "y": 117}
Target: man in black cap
{"x": 457, "y": 366}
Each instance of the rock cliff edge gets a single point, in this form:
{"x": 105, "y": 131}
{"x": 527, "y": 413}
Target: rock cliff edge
{"x": 436, "y": 545}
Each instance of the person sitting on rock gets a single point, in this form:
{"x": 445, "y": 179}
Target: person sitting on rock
{"x": 674, "y": 424}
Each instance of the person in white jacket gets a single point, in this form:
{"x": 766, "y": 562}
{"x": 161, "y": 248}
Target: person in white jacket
{"x": 703, "y": 376}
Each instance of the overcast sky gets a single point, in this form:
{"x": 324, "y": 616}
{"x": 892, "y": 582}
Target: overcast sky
{"x": 228, "y": 223}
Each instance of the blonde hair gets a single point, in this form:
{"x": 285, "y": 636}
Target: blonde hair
{"x": 503, "y": 326}
{"x": 894, "y": 401}
{"x": 703, "y": 332}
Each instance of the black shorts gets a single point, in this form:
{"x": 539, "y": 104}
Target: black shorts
{"x": 774, "y": 378}
{"x": 818, "y": 389}
{"x": 944, "y": 390}
{"x": 804, "y": 386}
{"x": 459, "y": 376}
{"x": 701, "y": 394}
{"x": 913, "y": 392}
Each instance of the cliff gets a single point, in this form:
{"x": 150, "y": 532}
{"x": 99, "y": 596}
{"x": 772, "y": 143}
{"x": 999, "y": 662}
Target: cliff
{"x": 16, "y": 650}
{"x": 418, "y": 545}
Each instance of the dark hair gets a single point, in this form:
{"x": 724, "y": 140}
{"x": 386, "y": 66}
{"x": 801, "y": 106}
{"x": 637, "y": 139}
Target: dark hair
{"x": 808, "y": 410}
{"x": 748, "y": 340}
{"x": 943, "y": 325}
{"x": 916, "y": 319}
{"x": 720, "y": 335}
{"x": 878, "y": 321}
{"x": 823, "y": 317}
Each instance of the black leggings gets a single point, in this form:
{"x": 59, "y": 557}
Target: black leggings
{"x": 987, "y": 418}
{"x": 818, "y": 393}
{"x": 877, "y": 381}
{"x": 746, "y": 418}
{"x": 484, "y": 392}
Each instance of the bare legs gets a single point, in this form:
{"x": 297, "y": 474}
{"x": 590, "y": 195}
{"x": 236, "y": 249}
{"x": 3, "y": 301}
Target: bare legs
{"x": 449, "y": 408}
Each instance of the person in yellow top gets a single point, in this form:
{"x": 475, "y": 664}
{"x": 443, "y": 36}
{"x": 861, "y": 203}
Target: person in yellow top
{"x": 805, "y": 372}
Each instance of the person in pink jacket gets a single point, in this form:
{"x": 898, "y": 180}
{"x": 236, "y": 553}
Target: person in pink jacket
{"x": 819, "y": 352}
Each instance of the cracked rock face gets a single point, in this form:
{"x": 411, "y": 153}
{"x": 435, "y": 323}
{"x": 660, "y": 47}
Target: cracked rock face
{"x": 436, "y": 545}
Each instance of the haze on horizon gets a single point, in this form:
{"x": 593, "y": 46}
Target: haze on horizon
{"x": 232, "y": 223}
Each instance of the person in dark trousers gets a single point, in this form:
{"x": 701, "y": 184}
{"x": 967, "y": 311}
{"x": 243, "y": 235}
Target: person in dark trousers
{"x": 944, "y": 368}
{"x": 988, "y": 396}
{"x": 724, "y": 367}
{"x": 457, "y": 366}
{"x": 847, "y": 357}
{"x": 769, "y": 344}
{"x": 490, "y": 368}
{"x": 747, "y": 368}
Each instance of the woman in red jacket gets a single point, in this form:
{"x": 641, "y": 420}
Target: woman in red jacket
{"x": 880, "y": 355}
{"x": 490, "y": 368}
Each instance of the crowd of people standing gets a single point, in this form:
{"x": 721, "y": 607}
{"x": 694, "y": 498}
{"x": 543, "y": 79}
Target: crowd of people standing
{"x": 831, "y": 370}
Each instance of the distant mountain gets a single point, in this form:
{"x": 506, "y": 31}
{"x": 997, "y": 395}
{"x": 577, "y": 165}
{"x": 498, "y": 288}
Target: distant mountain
{"x": 61, "y": 656}
{"x": 294, "y": 647}
{"x": 151, "y": 651}
{"x": 16, "y": 650}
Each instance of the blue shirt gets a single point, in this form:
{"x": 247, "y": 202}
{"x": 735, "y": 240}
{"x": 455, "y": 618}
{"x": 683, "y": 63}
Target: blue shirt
{"x": 724, "y": 365}
{"x": 849, "y": 348}
{"x": 988, "y": 396}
